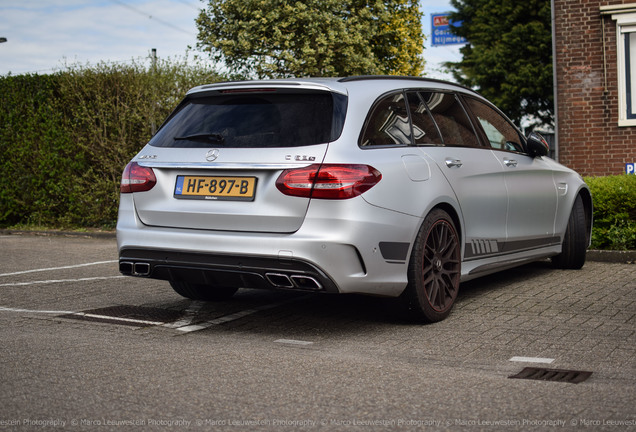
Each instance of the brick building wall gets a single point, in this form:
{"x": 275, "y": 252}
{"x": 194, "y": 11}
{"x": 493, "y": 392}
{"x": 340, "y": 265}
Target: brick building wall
{"x": 589, "y": 137}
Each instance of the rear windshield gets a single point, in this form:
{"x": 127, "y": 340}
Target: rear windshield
{"x": 254, "y": 120}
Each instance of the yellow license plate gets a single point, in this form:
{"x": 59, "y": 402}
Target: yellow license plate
{"x": 215, "y": 188}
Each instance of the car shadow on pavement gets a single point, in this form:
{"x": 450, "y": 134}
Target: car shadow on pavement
{"x": 306, "y": 314}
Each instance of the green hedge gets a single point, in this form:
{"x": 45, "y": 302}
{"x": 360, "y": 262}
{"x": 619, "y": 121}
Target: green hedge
{"x": 65, "y": 137}
{"x": 614, "y": 212}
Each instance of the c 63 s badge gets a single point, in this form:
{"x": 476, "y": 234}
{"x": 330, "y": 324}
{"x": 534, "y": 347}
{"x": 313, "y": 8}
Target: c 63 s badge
{"x": 301, "y": 158}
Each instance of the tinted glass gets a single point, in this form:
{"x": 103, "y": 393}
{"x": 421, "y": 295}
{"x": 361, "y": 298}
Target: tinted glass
{"x": 500, "y": 133}
{"x": 453, "y": 123}
{"x": 388, "y": 123}
{"x": 254, "y": 120}
{"x": 424, "y": 129}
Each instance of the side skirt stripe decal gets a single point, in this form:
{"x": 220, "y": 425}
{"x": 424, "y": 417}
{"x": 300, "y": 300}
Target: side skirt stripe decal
{"x": 481, "y": 248}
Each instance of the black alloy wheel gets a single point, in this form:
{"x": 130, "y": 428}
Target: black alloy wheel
{"x": 434, "y": 269}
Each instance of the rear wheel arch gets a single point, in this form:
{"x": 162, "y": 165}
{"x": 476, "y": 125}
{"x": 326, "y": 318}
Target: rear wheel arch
{"x": 453, "y": 213}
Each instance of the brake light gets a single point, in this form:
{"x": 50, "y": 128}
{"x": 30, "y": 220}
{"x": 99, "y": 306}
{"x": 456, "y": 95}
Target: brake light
{"x": 328, "y": 181}
{"x": 137, "y": 178}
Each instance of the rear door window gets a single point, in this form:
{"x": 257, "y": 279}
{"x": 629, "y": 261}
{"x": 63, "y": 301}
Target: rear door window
{"x": 451, "y": 118}
{"x": 268, "y": 118}
{"x": 425, "y": 131}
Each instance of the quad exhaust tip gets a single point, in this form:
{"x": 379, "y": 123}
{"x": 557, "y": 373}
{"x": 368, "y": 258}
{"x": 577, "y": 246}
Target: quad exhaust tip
{"x": 134, "y": 268}
{"x": 303, "y": 282}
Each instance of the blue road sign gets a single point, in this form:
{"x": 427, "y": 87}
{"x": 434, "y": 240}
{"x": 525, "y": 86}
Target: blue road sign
{"x": 442, "y": 35}
{"x": 630, "y": 168}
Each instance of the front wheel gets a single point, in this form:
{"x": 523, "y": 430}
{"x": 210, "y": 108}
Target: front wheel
{"x": 575, "y": 241}
{"x": 202, "y": 292}
{"x": 434, "y": 269}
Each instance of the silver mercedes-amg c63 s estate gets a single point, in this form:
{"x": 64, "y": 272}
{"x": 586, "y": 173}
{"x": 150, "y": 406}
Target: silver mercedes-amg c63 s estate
{"x": 377, "y": 185}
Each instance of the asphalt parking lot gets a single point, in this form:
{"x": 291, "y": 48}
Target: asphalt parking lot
{"x": 84, "y": 348}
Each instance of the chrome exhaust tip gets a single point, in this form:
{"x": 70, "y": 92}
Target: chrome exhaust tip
{"x": 126, "y": 267}
{"x": 141, "y": 269}
{"x": 306, "y": 282}
{"x": 279, "y": 280}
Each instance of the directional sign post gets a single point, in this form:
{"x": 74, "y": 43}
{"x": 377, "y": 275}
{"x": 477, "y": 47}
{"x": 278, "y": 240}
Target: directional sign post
{"x": 442, "y": 35}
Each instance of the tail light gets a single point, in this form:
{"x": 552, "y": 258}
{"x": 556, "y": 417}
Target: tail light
{"x": 328, "y": 181}
{"x": 137, "y": 178}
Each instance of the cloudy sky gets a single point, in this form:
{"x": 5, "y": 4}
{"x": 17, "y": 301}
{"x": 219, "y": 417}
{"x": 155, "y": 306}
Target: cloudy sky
{"x": 46, "y": 35}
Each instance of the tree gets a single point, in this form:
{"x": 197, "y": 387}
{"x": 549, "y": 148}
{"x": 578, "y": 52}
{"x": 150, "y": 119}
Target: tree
{"x": 283, "y": 38}
{"x": 508, "y": 57}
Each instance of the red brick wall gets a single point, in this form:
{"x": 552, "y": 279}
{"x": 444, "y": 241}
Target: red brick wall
{"x": 590, "y": 140}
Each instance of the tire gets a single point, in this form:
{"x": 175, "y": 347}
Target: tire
{"x": 202, "y": 292}
{"x": 434, "y": 269}
{"x": 575, "y": 241}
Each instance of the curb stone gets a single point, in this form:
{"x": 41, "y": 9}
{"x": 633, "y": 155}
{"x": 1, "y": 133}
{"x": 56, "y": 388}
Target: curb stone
{"x": 86, "y": 234}
{"x": 626, "y": 257}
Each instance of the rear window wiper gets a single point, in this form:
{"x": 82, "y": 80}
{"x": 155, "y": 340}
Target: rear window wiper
{"x": 202, "y": 136}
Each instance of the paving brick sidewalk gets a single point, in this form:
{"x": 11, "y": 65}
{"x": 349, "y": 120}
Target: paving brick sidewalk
{"x": 581, "y": 318}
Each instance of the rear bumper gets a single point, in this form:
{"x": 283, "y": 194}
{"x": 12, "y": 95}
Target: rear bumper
{"x": 224, "y": 270}
{"x": 335, "y": 250}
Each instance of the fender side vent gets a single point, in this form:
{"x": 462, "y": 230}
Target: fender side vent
{"x": 557, "y": 375}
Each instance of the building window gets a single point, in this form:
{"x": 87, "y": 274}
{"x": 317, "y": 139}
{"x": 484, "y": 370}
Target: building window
{"x": 629, "y": 39}
{"x": 626, "y": 54}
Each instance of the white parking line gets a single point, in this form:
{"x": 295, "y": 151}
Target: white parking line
{"x": 188, "y": 316}
{"x": 59, "y": 268}
{"x": 184, "y": 329}
{"x": 293, "y": 342}
{"x": 531, "y": 359}
{"x": 235, "y": 316}
{"x": 51, "y": 281}
{"x": 182, "y": 325}
{"x": 82, "y": 314}
{"x": 106, "y": 317}
{"x": 224, "y": 319}
{"x": 6, "y": 309}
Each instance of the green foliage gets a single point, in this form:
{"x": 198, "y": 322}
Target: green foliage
{"x": 66, "y": 137}
{"x": 509, "y": 55}
{"x": 614, "y": 212}
{"x": 34, "y": 148}
{"x": 282, "y": 38}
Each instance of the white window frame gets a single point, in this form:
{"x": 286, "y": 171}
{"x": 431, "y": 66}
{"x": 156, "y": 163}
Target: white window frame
{"x": 626, "y": 40}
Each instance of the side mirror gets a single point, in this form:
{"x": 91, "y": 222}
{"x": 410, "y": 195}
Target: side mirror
{"x": 537, "y": 145}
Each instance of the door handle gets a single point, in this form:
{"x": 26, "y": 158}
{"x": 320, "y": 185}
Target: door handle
{"x": 450, "y": 162}
{"x": 510, "y": 162}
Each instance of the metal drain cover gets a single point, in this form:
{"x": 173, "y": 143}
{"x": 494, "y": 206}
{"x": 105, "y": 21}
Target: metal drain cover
{"x": 557, "y": 375}
{"x": 138, "y": 316}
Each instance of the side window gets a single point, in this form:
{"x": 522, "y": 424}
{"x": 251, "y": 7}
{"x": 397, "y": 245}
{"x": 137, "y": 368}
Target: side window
{"x": 500, "y": 133}
{"x": 452, "y": 120}
{"x": 388, "y": 123}
{"x": 626, "y": 56}
{"x": 424, "y": 129}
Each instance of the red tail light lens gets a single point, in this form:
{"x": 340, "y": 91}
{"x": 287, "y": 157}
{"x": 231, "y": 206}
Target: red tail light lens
{"x": 328, "y": 181}
{"x": 137, "y": 178}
